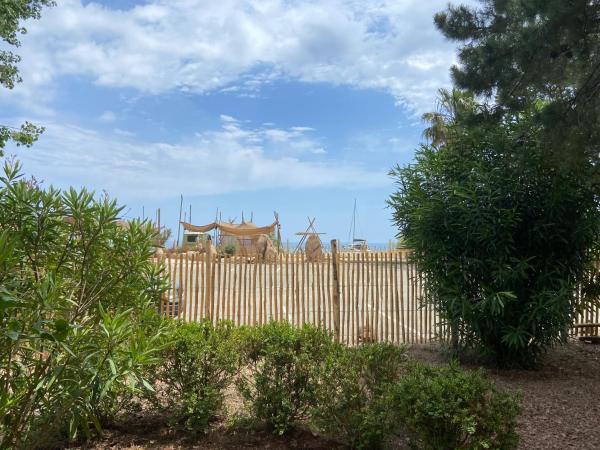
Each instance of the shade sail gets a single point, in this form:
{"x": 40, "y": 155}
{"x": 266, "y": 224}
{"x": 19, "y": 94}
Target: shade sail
{"x": 199, "y": 228}
{"x": 229, "y": 229}
{"x": 234, "y": 230}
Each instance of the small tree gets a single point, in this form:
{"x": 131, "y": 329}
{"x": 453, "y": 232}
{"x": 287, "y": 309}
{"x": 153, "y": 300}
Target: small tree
{"x": 501, "y": 234}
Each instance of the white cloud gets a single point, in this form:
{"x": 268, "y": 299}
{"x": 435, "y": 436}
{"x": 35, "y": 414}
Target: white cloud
{"x": 107, "y": 117}
{"x": 125, "y": 133}
{"x": 229, "y": 159}
{"x": 238, "y": 45}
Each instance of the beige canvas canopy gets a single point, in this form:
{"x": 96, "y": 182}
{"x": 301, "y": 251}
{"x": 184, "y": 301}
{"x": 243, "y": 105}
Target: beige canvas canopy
{"x": 243, "y": 229}
{"x": 199, "y": 228}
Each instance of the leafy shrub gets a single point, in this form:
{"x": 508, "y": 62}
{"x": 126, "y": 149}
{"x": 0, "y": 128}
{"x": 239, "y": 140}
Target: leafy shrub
{"x": 444, "y": 407}
{"x": 230, "y": 249}
{"x": 502, "y": 236}
{"x": 199, "y": 362}
{"x": 353, "y": 394}
{"x": 284, "y": 368}
{"x": 75, "y": 288}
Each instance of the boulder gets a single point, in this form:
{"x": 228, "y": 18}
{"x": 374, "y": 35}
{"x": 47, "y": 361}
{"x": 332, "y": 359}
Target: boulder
{"x": 313, "y": 249}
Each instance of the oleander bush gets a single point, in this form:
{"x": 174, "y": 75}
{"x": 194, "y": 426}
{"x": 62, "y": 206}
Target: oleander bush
{"x": 503, "y": 236}
{"x": 449, "y": 408}
{"x": 199, "y": 361}
{"x": 283, "y": 366}
{"x": 78, "y": 322}
{"x": 354, "y": 404}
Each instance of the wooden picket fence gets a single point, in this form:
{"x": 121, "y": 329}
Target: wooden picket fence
{"x": 359, "y": 297}
{"x": 376, "y": 296}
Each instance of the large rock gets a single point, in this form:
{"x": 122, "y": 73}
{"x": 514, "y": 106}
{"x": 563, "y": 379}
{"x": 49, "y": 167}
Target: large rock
{"x": 313, "y": 249}
{"x": 265, "y": 249}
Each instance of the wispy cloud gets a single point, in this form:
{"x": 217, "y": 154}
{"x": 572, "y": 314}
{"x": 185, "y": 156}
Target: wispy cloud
{"x": 230, "y": 159}
{"x": 239, "y": 45}
{"x": 107, "y": 117}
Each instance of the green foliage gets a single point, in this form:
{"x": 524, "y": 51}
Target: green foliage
{"x": 230, "y": 249}
{"x": 454, "y": 107}
{"x": 353, "y": 401}
{"x": 502, "y": 236}
{"x": 26, "y": 135}
{"x": 284, "y": 366}
{"x": 446, "y": 408}
{"x": 528, "y": 52}
{"x": 78, "y": 321}
{"x": 12, "y": 12}
{"x": 198, "y": 364}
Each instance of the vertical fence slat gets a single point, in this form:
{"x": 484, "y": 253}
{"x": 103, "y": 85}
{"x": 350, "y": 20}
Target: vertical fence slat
{"x": 395, "y": 268}
{"x": 304, "y": 286}
{"x": 336, "y": 290}
{"x": 222, "y": 296}
{"x": 196, "y": 266}
{"x": 355, "y": 310}
{"x": 295, "y": 289}
{"x": 273, "y": 293}
{"x": 180, "y": 292}
{"x": 377, "y": 299}
{"x": 281, "y": 299}
{"x": 363, "y": 300}
{"x": 386, "y": 307}
{"x": 187, "y": 297}
{"x": 245, "y": 279}
{"x": 253, "y": 292}
{"x": 312, "y": 304}
{"x": 346, "y": 297}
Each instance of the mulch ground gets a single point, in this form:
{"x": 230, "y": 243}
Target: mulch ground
{"x": 561, "y": 410}
{"x": 561, "y": 400}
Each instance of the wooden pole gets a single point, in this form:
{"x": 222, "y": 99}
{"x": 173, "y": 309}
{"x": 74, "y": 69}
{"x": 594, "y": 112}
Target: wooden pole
{"x": 356, "y": 317}
{"x": 179, "y": 223}
{"x": 196, "y": 284}
{"x": 336, "y": 289}
{"x": 220, "y": 295}
{"x": 287, "y": 316}
{"x": 181, "y": 287}
{"x": 253, "y": 292}
{"x": 327, "y": 286}
{"x": 208, "y": 284}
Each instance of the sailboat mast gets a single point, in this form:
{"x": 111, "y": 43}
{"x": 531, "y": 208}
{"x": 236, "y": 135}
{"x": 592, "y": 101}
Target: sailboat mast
{"x": 354, "y": 222}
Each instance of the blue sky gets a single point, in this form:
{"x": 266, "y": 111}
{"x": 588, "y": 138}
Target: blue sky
{"x": 277, "y": 105}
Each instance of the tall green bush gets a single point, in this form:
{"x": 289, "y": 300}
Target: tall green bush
{"x": 284, "y": 365}
{"x": 447, "y": 408}
{"x": 502, "y": 235}
{"x": 198, "y": 364}
{"x": 78, "y": 319}
{"x": 353, "y": 403}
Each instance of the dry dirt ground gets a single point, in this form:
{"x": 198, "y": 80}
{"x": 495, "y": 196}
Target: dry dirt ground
{"x": 561, "y": 410}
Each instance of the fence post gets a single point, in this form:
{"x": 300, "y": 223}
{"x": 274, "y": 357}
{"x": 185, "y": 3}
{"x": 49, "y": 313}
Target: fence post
{"x": 208, "y": 294}
{"x": 336, "y": 289}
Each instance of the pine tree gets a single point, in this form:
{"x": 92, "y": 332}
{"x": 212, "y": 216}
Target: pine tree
{"x": 540, "y": 55}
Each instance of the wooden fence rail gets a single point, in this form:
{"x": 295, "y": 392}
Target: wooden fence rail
{"x": 374, "y": 296}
